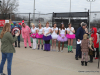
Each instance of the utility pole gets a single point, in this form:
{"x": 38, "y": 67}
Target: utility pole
{"x": 34, "y": 13}
{"x": 70, "y": 12}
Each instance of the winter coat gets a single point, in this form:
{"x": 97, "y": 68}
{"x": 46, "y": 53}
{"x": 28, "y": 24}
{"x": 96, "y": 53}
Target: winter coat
{"x": 94, "y": 36}
{"x": 7, "y": 43}
{"x": 79, "y": 34}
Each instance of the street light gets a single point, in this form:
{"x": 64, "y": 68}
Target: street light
{"x": 70, "y": 11}
{"x": 0, "y": 2}
{"x": 0, "y": 6}
{"x": 90, "y": 11}
{"x": 34, "y": 13}
{"x": 95, "y": 17}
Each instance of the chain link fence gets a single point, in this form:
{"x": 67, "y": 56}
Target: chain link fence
{"x": 28, "y": 18}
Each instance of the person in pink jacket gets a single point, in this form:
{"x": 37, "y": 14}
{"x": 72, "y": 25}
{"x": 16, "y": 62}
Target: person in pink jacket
{"x": 26, "y": 31}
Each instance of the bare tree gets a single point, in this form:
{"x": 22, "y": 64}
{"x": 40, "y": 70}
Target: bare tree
{"x": 9, "y": 6}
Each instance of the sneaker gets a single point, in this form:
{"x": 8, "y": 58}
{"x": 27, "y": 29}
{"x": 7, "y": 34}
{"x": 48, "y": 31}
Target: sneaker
{"x": 41, "y": 48}
{"x": 76, "y": 58}
{"x": 58, "y": 51}
{"x": 79, "y": 56}
{"x": 90, "y": 61}
{"x": 96, "y": 58}
{"x": 71, "y": 51}
{"x": 54, "y": 50}
{"x": 44, "y": 50}
{"x": 15, "y": 46}
{"x": 30, "y": 47}
{"x": 2, "y": 74}
{"x": 25, "y": 47}
{"x": 38, "y": 48}
{"x": 33, "y": 48}
{"x": 61, "y": 50}
{"x": 68, "y": 51}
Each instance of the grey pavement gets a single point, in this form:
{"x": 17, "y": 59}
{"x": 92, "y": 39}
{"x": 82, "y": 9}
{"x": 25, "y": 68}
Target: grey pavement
{"x": 38, "y": 62}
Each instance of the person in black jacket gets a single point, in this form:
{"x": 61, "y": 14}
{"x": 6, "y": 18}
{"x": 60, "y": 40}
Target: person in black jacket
{"x": 79, "y": 36}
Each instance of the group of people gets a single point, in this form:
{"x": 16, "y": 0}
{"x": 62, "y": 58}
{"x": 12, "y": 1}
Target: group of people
{"x": 85, "y": 45}
{"x": 46, "y": 34}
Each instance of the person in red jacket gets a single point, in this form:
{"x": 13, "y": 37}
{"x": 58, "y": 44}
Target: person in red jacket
{"x": 95, "y": 41}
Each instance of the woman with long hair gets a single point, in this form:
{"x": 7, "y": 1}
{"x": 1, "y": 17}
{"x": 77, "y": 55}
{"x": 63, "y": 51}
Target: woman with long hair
{"x": 7, "y": 48}
{"x": 33, "y": 35}
{"x": 54, "y": 36}
{"x": 39, "y": 36}
{"x": 61, "y": 37}
{"x": 47, "y": 37}
{"x": 70, "y": 35}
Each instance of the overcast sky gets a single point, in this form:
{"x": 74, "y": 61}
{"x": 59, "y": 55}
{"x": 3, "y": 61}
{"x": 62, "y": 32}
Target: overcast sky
{"x": 49, "y": 6}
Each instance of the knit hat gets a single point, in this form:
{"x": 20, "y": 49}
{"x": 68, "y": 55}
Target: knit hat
{"x": 85, "y": 36}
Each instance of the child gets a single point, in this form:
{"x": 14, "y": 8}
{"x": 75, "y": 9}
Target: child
{"x": 91, "y": 46}
{"x": 95, "y": 37}
{"x": 84, "y": 49}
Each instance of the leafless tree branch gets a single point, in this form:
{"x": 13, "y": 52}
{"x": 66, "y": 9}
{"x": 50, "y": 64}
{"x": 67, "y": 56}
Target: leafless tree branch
{"x": 9, "y": 6}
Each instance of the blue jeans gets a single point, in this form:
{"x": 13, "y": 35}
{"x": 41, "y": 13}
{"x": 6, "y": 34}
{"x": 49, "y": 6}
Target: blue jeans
{"x": 9, "y": 57}
{"x": 19, "y": 38}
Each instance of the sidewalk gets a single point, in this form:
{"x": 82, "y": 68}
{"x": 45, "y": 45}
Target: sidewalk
{"x": 38, "y": 62}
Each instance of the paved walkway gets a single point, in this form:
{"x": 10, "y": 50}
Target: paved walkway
{"x": 38, "y": 62}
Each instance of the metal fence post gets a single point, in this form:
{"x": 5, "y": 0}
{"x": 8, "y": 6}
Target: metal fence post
{"x": 99, "y": 42}
{"x": 99, "y": 53}
{"x": 29, "y": 19}
{"x": 9, "y": 16}
{"x": 88, "y": 18}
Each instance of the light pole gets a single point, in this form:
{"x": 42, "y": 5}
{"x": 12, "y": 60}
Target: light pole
{"x": 0, "y": 2}
{"x": 95, "y": 15}
{"x": 0, "y": 6}
{"x": 90, "y": 12}
{"x": 70, "y": 12}
{"x": 39, "y": 17}
{"x": 95, "y": 18}
{"x": 34, "y": 13}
